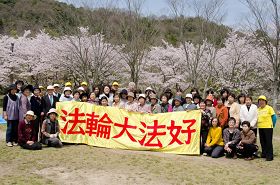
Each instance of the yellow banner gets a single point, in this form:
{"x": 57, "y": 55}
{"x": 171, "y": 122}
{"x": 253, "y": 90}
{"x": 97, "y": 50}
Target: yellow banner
{"x": 176, "y": 132}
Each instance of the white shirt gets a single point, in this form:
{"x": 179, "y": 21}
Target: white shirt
{"x": 251, "y": 115}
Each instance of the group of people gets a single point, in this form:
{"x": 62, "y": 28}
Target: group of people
{"x": 229, "y": 124}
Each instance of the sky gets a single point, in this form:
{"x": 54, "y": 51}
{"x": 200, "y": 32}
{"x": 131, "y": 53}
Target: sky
{"x": 234, "y": 9}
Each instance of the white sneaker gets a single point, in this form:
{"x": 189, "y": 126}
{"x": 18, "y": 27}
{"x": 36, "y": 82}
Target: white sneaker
{"x": 9, "y": 144}
{"x": 15, "y": 144}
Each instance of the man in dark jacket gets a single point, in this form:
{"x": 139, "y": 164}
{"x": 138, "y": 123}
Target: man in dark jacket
{"x": 49, "y": 100}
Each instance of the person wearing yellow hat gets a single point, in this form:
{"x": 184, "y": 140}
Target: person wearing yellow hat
{"x": 85, "y": 86}
{"x": 68, "y": 84}
{"x": 26, "y": 133}
{"x": 115, "y": 87}
{"x": 266, "y": 121}
{"x": 43, "y": 91}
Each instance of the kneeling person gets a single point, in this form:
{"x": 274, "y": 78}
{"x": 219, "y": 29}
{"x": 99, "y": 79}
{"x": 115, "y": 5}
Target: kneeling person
{"x": 26, "y": 133}
{"x": 50, "y": 130}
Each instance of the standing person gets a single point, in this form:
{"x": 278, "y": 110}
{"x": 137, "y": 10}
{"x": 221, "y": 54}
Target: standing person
{"x": 169, "y": 94}
{"x": 210, "y": 93}
{"x": 84, "y": 97}
{"x": 56, "y": 90}
{"x": 76, "y": 96}
{"x": 196, "y": 100}
{"x": 221, "y": 112}
{"x": 131, "y": 105}
{"x": 194, "y": 91}
{"x": 104, "y": 101}
{"x": 224, "y": 94}
{"x": 67, "y": 95}
{"x": 143, "y": 107}
{"x": 233, "y": 108}
{"x": 68, "y": 84}
{"x": 117, "y": 101}
{"x": 26, "y": 132}
{"x": 241, "y": 99}
{"x": 247, "y": 146}
{"x": 19, "y": 84}
{"x": 249, "y": 112}
{"x": 97, "y": 91}
{"x": 84, "y": 85}
{"x": 37, "y": 107}
{"x": 214, "y": 145}
{"x": 231, "y": 137}
{"x": 108, "y": 94}
{"x": 266, "y": 121}
{"x": 165, "y": 106}
{"x": 50, "y": 130}
{"x": 205, "y": 125}
{"x": 154, "y": 104}
{"x": 177, "y": 101}
{"x": 93, "y": 99}
{"x": 123, "y": 96}
{"x": 115, "y": 87}
{"x": 11, "y": 115}
{"x": 188, "y": 100}
{"x": 43, "y": 92}
{"x": 210, "y": 105}
{"x": 24, "y": 103}
{"x": 49, "y": 100}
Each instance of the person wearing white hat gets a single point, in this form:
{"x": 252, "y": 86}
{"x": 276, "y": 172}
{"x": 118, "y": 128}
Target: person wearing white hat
{"x": 50, "y": 130}
{"x": 49, "y": 100}
{"x": 26, "y": 134}
{"x": 67, "y": 95}
{"x": 142, "y": 106}
{"x": 56, "y": 90}
{"x": 189, "y": 101}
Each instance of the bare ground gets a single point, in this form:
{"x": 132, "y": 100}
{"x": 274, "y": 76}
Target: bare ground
{"x": 81, "y": 164}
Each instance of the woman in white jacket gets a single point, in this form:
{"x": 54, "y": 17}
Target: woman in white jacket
{"x": 249, "y": 112}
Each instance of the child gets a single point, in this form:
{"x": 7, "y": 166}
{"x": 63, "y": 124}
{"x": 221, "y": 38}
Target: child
{"x": 76, "y": 96}
{"x": 84, "y": 97}
{"x": 11, "y": 115}
{"x": 214, "y": 143}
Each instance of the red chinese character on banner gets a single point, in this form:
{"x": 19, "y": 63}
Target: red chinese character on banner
{"x": 154, "y": 133}
{"x": 175, "y": 135}
{"x": 104, "y": 130}
{"x": 75, "y": 121}
{"x": 92, "y": 122}
{"x": 189, "y": 131}
{"x": 125, "y": 128}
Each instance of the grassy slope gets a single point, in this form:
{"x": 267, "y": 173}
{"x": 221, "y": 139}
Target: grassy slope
{"x": 82, "y": 164}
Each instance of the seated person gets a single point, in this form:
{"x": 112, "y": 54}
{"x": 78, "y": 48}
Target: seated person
{"x": 247, "y": 146}
{"x": 214, "y": 145}
{"x": 231, "y": 137}
{"x": 27, "y": 134}
{"x": 50, "y": 130}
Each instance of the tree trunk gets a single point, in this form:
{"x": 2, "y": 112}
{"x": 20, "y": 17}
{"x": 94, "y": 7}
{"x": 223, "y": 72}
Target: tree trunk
{"x": 275, "y": 94}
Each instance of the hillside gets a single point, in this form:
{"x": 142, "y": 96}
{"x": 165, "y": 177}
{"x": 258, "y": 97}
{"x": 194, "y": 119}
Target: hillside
{"x": 60, "y": 18}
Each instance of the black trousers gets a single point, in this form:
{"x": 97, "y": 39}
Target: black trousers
{"x": 34, "y": 146}
{"x": 203, "y": 138}
{"x": 12, "y": 131}
{"x": 233, "y": 148}
{"x": 266, "y": 135}
{"x": 248, "y": 150}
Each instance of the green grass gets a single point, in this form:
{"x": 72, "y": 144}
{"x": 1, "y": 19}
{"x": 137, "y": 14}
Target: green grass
{"x": 81, "y": 164}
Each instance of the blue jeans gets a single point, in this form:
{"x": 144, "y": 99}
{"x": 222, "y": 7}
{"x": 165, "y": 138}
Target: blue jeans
{"x": 214, "y": 151}
{"x": 12, "y": 131}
